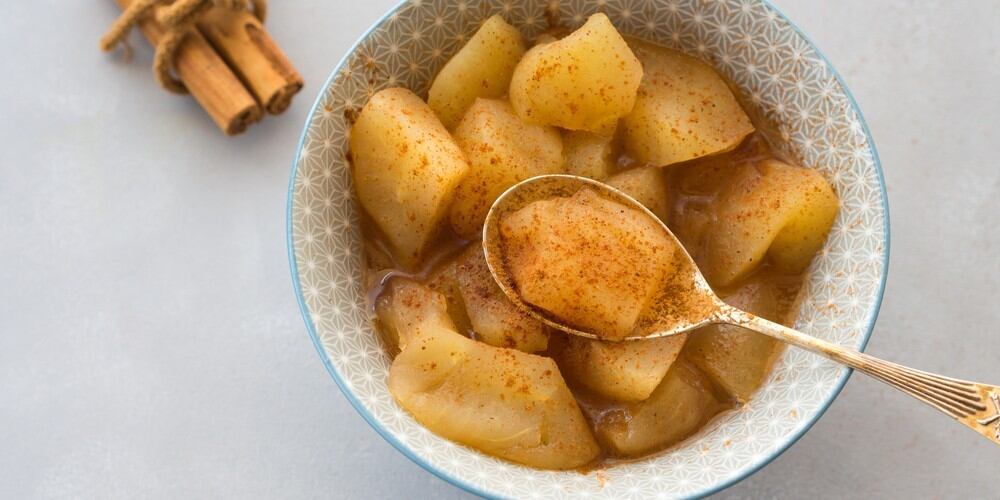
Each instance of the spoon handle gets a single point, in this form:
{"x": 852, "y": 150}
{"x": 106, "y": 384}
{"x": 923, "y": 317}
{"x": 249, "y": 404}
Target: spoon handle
{"x": 977, "y": 406}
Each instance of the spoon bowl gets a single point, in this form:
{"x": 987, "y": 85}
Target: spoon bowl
{"x": 686, "y": 304}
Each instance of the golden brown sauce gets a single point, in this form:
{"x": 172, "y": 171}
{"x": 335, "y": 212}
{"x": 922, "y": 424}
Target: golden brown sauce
{"x": 693, "y": 186}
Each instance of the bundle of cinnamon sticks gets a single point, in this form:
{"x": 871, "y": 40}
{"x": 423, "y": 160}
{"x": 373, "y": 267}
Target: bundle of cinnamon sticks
{"x": 231, "y": 66}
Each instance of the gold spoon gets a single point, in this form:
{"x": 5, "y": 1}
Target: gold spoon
{"x": 977, "y": 406}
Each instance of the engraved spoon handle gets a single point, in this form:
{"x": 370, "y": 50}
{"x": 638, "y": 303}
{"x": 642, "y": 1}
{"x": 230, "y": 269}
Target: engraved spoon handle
{"x": 977, "y": 406}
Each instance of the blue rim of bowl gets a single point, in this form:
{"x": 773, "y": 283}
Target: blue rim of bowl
{"x": 471, "y": 488}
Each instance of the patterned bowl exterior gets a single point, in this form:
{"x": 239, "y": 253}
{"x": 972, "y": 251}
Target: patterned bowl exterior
{"x": 784, "y": 81}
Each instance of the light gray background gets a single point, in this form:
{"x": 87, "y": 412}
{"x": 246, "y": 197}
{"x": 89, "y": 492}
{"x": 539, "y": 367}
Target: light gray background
{"x": 150, "y": 345}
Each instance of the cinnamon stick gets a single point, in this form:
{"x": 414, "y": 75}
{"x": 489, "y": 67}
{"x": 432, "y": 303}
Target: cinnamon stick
{"x": 240, "y": 38}
{"x": 208, "y": 78}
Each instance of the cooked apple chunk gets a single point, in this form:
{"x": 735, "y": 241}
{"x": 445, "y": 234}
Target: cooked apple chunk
{"x": 589, "y": 262}
{"x": 585, "y": 81}
{"x": 623, "y": 371}
{"x": 684, "y": 109}
{"x": 777, "y": 210}
{"x": 502, "y": 150}
{"x": 647, "y": 185}
{"x": 406, "y": 167}
{"x": 676, "y": 409}
{"x": 588, "y": 155}
{"x": 737, "y": 359}
{"x": 482, "y": 68}
{"x": 444, "y": 280}
{"x": 504, "y": 402}
{"x": 409, "y": 309}
{"x": 495, "y": 320}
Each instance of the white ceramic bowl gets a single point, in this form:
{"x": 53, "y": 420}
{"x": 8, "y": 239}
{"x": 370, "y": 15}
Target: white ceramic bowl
{"x": 786, "y": 82}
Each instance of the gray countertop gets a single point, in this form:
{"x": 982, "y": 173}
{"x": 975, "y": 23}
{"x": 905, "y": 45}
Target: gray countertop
{"x": 150, "y": 344}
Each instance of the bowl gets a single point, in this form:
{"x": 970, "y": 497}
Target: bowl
{"x": 785, "y": 84}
